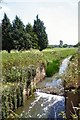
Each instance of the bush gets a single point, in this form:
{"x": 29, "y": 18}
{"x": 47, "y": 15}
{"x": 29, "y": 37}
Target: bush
{"x": 12, "y": 98}
{"x": 14, "y": 74}
{"x": 52, "y": 68}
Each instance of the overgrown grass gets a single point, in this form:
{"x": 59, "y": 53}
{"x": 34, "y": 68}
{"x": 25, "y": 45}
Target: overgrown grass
{"x": 54, "y": 57}
{"x": 15, "y": 67}
{"x": 21, "y": 60}
{"x": 52, "y": 68}
{"x": 72, "y": 73}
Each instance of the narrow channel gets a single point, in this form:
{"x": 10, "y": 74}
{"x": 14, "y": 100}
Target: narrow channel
{"x": 48, "y": 100}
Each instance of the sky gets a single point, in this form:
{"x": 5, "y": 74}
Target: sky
{"x": 60, "y": 17}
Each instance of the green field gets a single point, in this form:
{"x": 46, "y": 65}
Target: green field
{"x": 20, "y": 60}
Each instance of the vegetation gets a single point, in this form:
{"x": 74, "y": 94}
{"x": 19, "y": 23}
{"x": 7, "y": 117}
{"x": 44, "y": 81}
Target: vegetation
{"x": 19, "y": 67}
{"x": 71, "y": 75}
{"x": 52, "y": 67}
{"x": 12, "y": 98}
{"x": 72, "y": 87}
{"x": 17, "y": 36}
{"x": 61, "y": 43}
{"x": 34, "y": 38}
{"x": 77, "y": 45}
{"x": 15, "y": 64}
{"x": 39, "y": 29}
{"x": 7, "y": 42}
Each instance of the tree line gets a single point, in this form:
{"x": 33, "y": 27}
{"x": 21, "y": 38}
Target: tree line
{"x": 17, "y": 36}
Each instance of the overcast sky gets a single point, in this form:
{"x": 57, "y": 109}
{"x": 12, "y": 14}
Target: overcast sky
{"x": 60, "y": 17}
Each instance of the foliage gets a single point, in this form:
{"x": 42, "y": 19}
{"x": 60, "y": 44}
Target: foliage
{"x": 12, "y": 92}
{"x": 71, "y": 75}
{"x": 17, "y": 36}
{"x": 19, "y": 68}
{"x": 77, "y": 45}
{"x": 31, "y": 72}
{"x": 39, "y": 29}
{"x": 65, "y": 45}
{"x": 61, "y": 43}
{"x": 34, "y": 39}
{"x": 52, "y": 67}
{"x": 14, "y": 74}
{"x": 7, "y": 42}
{"x": 12, "y": 98}
{"x": 15, "y": 64}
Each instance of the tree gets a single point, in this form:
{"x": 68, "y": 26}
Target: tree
{"x": 18, "y": 33}
{"x": 77, "y": 45}
{"x": 39, "y": 29}
{"x": 61, "y": 43}
{"x": 18, "y": 24}
{"x": 29, "y": 28}
{"x": 65, "y": 45}
{"x": 7, "y": 41}
{"x": 27, "y": 41}
{"x": 22, "y": 36}
{"x": 34, "y": 39}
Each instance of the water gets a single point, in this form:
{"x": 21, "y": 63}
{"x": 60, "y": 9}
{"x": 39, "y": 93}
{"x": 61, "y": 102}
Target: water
{"x": 44, "y": 105}
{"x": 64, "y": 65}
{"x": 57, "y": 83}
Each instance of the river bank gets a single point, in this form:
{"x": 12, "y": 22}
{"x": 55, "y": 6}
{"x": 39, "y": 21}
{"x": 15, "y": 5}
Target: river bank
{"x": 72, "y": 88}
{"x": 44, "y": 104}
{"x": 16, "y": 73}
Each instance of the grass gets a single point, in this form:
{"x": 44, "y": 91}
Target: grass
{"x": 58, "y": 53}
{"x": 15, "y": 64}
{"x": 50, "y": 57}
{"x": 52, "y": 68}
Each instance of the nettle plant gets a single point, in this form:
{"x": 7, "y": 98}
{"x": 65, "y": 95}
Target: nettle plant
{"x": 15, "y": 74}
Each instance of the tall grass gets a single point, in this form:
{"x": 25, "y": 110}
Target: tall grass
{"x": 14, "y": 72}
{"x": 21, "y": 60}
{"x": 52, "y": 68}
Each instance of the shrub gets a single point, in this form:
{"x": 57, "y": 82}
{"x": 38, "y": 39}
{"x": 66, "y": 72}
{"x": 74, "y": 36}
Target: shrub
{"x": 52, "y": 67}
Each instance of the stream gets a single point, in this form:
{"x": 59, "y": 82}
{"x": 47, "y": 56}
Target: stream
{"x": 48, "y": 100}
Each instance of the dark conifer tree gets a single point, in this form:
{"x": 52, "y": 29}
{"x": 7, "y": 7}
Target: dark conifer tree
{"x": 39, "y": 29}
{"x": 34, "y": 39}
{"x": 7, "y": 41}
{"x": 18, "y": 32}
